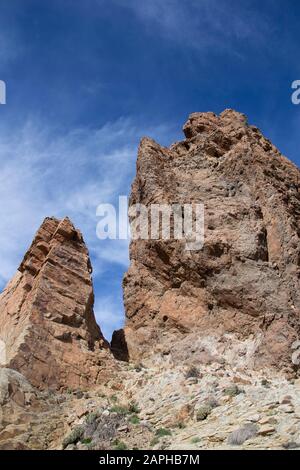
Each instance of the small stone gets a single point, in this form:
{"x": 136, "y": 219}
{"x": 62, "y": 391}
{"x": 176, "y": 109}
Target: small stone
{"x": 106, "y": 413}
{"x": 191, "y": 381}
{"x": 295, "y": 345}
{"x": 145, "y": 424}
{"x": 241, "y": 380}
{"x": 81, "y": 446}
{"x": 296, "y": 357}
{"x": 266, "y": 429}
{"x": 224, "y": 400}
{"x": 81, "y": 411}
{"x": 254, "y": 418}
{"x": 286, "y": 408}
{"x": 268, "y": 420}
{"x": 287, "y": 400}
{"x": 123, "y": 428}
{"x": 291, "y": 445}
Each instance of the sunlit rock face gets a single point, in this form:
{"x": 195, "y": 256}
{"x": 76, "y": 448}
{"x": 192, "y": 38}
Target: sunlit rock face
{"x": 237, "y": 299}
{"x": 47, "y": 322}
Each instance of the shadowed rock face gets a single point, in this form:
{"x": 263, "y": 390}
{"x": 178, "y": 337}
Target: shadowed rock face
{"x": 238, "y": 297}
{"x": 46, "y": 312}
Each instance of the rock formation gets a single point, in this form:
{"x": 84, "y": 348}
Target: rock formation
{"x": 211, "y": 334}
{"x": 237, "y": 299}
{"x": 46, "y": 313}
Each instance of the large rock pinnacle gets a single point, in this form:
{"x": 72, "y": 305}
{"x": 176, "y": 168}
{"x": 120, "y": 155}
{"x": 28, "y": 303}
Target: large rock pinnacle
{"x": 46, "y": 312}
{"x": 238, "y": 298}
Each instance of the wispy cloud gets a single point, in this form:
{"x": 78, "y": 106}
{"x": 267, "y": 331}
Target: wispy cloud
{"x": 203, "y": 24}
{"x": 44, "y": 173}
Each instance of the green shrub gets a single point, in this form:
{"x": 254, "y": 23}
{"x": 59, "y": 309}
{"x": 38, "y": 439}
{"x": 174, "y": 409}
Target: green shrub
{"x": 91, "y": 417}
{"x": 203, "y": 412}
{"x": 73, "y": 437}
{"x": 86, "y": 441}
{"x": 120, "y": 445}
{"x": 133, "y": 407}
{"x": 161, "y": 432}
{"x": 121, "y": 410}
{"x": 232, "y": 390}
{"x": 134, "y": 419}
{"x": 194, "y": 440}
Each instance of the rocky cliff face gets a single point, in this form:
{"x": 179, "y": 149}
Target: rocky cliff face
{"x": 237, "y": 299}
{"x": 198, "y": 322}
{"x": 46, "y": 313}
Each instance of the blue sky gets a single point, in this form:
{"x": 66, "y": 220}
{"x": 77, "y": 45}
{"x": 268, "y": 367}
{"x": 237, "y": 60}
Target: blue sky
{"x": 86, "y": 80}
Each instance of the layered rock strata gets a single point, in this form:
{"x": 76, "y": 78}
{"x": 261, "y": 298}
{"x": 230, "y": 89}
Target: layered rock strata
{"x": 47, "y": 323}
{"x": 237, "y": 299}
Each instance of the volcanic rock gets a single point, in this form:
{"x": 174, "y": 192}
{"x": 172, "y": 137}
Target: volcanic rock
{"x": 47, "y": 324}
{"x": 237, "y": 299}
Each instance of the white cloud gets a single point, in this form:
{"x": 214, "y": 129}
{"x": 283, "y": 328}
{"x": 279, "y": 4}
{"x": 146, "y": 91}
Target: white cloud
{"x": 202, "y": 24}
{"x": 45, "y": 173}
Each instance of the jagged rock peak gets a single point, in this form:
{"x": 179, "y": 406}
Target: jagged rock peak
{"x": 47, "y": 321}
{"x": 198, "y": 123}
{"x": 237, "y": 299}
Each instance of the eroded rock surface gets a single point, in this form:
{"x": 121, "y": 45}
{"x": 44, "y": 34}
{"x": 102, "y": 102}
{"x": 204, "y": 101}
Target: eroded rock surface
{"x": 46, "y": 313}
{"x": 211, "y": 346}
{"x": 243, "y": 285}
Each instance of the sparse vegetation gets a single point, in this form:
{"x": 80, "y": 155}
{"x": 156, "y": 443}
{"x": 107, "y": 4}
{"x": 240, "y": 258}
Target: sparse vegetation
{"x": 242, "y": 434}
{"x": 134, "y": 419}
{"x": 120, "y": 445}
{"x": 133, "y": 407}
{"x": 181, "y": 425}
{"x": 124, "y": 410}
{"x": 203, "y": 412}
{"x": 73, "y": 437}
{"x": 192, "y": 372}
{"x": 232, "y": 391}
{"x": 120, "y": 410}
{"x": 91, "y": 417}
{"x": 162, "y": 432}
{"x": 86, "y": 441}
{"x": 195, "y": 440}
{"x": 154, "y": 442}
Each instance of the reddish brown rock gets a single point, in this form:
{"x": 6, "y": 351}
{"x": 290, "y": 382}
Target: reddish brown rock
{"x": 46, "y": 313}
{"x": 243, "y": 287}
